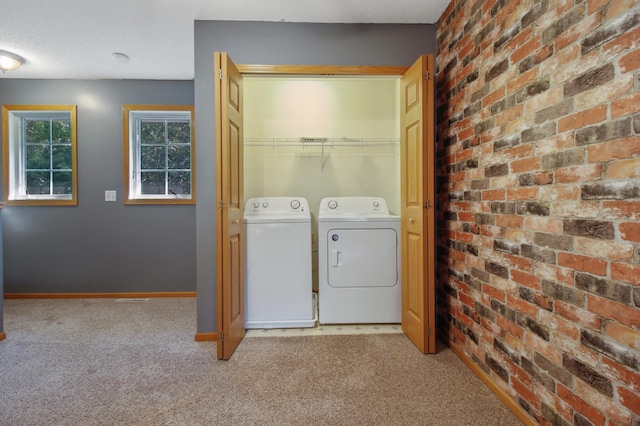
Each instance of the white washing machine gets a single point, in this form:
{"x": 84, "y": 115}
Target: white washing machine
{"x": 358, "y": 261}
{"x": 278, "y": 291}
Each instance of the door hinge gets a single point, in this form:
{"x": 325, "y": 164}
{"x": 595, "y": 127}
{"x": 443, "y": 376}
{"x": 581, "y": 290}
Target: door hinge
{"x": 222, "y": 336}
{"x": 220, "y": 74}
{"x": 427, "y": 204}
{"x": 221, "y": 205}
{"x": 428, "y": 331}
{"x": 426, "y": 76}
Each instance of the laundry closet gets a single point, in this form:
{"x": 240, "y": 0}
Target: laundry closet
{"x": 322, "y": 136}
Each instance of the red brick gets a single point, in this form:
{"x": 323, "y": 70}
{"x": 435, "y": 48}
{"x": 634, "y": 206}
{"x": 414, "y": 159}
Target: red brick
{"x": 491, "y": 98}
{"x": 517, "y": 41}
{"x": 630, "y": 231}
{"x": 622, "y": 43}
{"x": 618, "y": 149}
{"x": 623, "y": 169}
{"x": 608, "y": 406}
{"x": 621, "y": 373}
{"x": 466, "y": 46}
{"x": 495, "y": 194}
{"x": 519, "y": 151}
{"x": 619, "y": 7}
{"x": 522, "y": 305}
{"x": 509, "y": 221}
{"x": 558, "y": 324}
{"x": 466, "y": 133}
{"x": 629, "y": 399}
{"x": 625, "y": 272}
{"x": 466, "y": 299}
{"x": 577, "y": 315}
{"x": 621, "y": 210}
{"x": 583, "y": 263}
{"x": 509, "y": 326}
{"x": 585, "y": 173}
{"x": 463, "y": 155}
{"x": 583, "y": 119}
{"x": 526, "y": 193}
{"x": 624, "y": 314}
{"x": 466, "y": 216}
{"x": 458, "y": 255}
{"x": 522, "y": 80}
{"x": 525, "y": 50}
{"x": 625, "y": 335}
{"x": 525, "y": 279}
{"x": 548, "y": 350}
{"x": 595, "y": 5}
{"x": 630, "y": 62}
{"x": 525, "y": 165}
{"x": 493, "y": 292}
{"x": 626, "y": 105}
{"x": 581, "y": 406}
{"x": 519, "y": 262}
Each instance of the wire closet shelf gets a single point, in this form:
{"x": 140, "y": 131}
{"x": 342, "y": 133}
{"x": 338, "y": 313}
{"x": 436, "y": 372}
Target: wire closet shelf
{"x": 321, "y": 143}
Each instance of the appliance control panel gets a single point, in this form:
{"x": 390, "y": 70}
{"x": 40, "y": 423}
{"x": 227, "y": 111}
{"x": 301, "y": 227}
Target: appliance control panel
{"x": 353, "y": 206}
{"x": 276, "y": 205}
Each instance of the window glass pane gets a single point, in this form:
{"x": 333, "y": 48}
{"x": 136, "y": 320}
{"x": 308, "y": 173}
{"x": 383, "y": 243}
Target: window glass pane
{"x": 178, "y": 132}
{"x": 61, "y": 131}
{"x": 61, "y": 157}
{"x": 38, "y": 183}
{"x": 62, "y": 182}
{"x": 38, "y": 157}
{"x": 179, "y": 157}
{"x": 152, "y": 131}
{"x": 152, "y": 157}
{"x": 152, "y": 183}
{"x": 180, "y": 182}
{"x": 37, "y": 131}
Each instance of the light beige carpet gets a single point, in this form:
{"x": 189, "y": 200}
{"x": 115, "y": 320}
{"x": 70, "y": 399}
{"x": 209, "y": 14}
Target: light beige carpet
{"x": 99, "y": 362}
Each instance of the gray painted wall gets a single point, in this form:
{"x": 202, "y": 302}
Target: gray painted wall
{"x": 98, "y": 246}
{"x": 1, "y": 279}
{"x": 276, "y": 43}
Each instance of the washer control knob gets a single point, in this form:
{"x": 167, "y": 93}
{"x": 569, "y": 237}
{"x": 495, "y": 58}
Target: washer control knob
{"x": 256, "y": 205}
{"x": 376, "y": 204}
{"x": 295, "y": 204}
{"x": 265, "y": 204}
{"x": 333, "y": 204}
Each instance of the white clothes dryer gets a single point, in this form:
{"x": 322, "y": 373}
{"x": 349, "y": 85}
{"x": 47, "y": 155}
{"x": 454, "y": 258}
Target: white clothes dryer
{"x": 278, "y": 286}
{"x": 358, "y": 261}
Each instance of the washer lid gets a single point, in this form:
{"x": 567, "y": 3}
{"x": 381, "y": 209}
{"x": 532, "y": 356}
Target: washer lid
{"x": 269, "y": 209}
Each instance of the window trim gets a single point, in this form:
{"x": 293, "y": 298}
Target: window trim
{"x": 8, "y": 169}
{"x": 129, "y": 162}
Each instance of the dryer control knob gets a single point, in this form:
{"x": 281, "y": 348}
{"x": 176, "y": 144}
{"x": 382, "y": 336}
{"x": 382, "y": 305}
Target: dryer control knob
{"x": 295, "y": 204}
{"x": 265, "y": 204}
{"x": 256, "y": 205}
{"x": 376, "y": 204}
{"x": 333, "y": 204}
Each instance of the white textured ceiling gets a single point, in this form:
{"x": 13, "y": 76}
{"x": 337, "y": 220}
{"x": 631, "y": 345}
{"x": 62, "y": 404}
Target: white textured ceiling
{"x": 75, "y": 39}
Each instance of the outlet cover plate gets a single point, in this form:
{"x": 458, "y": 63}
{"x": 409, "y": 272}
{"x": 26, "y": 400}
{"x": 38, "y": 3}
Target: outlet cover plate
{"x": 110, "y": 195}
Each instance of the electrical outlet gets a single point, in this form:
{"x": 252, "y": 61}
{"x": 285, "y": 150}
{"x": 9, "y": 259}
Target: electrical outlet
{"x": 110, "y": 195}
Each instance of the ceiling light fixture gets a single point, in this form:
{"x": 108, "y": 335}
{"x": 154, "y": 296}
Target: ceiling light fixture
{"x": 9, "y": 61}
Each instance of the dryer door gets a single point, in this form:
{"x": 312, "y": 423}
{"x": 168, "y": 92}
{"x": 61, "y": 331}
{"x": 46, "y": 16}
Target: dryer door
{"x": 362, "y": 257}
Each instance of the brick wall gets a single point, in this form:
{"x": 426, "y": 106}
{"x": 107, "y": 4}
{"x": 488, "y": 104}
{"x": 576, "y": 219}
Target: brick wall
{"x": 538, "y": 140}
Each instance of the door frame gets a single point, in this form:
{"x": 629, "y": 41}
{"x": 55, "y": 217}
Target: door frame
{"x": 398, "y": 71}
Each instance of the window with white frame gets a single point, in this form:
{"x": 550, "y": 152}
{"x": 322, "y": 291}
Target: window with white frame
{"x": 160, "y": 162}
{"x": 39, "y": 152}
